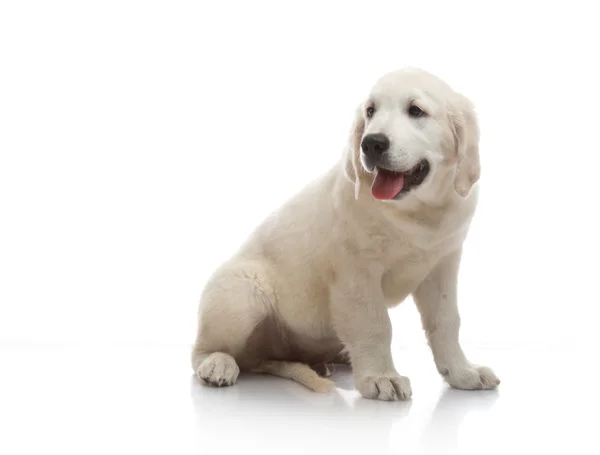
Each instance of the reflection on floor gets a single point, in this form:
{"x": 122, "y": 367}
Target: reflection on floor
{"x": 145, "y": 400}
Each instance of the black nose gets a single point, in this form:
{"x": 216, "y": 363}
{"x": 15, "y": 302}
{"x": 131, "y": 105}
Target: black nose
{"x": 374, "y": 145}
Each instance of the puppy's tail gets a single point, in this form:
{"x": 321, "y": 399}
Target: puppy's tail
{"x": 299, "y": 372}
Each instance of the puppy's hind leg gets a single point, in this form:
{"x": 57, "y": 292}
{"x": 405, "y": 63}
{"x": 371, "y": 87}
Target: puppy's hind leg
{"x": 235, "y": 301}
{"x": 299, "y": 372}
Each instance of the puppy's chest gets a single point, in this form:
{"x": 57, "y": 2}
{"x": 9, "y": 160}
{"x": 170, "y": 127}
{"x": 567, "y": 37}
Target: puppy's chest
{"x": 404, "y": 274}
{"x": 408, "y": 253}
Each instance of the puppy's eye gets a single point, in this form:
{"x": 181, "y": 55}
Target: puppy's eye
{"x": 415, "y": 111}
{"x": 370, "y": 111}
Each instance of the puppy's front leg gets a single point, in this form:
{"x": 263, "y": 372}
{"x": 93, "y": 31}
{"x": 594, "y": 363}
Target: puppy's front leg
{"x": 362, "y": 323}
{"x": 436, "y": 299}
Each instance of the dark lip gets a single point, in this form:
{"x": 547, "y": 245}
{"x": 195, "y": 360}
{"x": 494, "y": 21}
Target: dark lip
{"x": 413, "y": 177}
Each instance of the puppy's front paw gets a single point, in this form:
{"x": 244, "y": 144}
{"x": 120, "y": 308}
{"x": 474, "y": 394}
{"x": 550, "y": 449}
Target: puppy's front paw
{"x": 219, "y": 370}
{"x": 386, "y": 388}
{"x": 472, "y": 378}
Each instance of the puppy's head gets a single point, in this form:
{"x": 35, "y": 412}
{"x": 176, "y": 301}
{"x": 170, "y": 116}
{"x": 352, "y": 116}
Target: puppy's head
{"x": 412, "y": 135}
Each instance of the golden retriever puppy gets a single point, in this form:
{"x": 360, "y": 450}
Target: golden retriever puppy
{"x": 314, "y": 282}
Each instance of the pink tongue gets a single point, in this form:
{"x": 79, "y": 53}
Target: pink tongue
{"x": 387, "y": 184}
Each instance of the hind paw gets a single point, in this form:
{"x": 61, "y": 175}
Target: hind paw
{"x": 218, "y": 370}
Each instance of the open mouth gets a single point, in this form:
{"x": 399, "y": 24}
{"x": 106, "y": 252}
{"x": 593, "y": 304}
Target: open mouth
{"x": 393, "y": 184}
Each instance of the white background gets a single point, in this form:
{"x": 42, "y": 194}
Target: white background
{"x": 141, "y": 142}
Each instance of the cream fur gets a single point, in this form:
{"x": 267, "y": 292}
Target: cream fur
{"x": 317, "y": 277}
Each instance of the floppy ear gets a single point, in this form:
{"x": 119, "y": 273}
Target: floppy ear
{"x": 352, "y": 167}
{"x": 466, "y": 139}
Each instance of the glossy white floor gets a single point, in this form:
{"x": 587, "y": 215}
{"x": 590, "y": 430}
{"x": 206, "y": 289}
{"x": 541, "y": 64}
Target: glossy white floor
{"x": 70, "y": 400}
